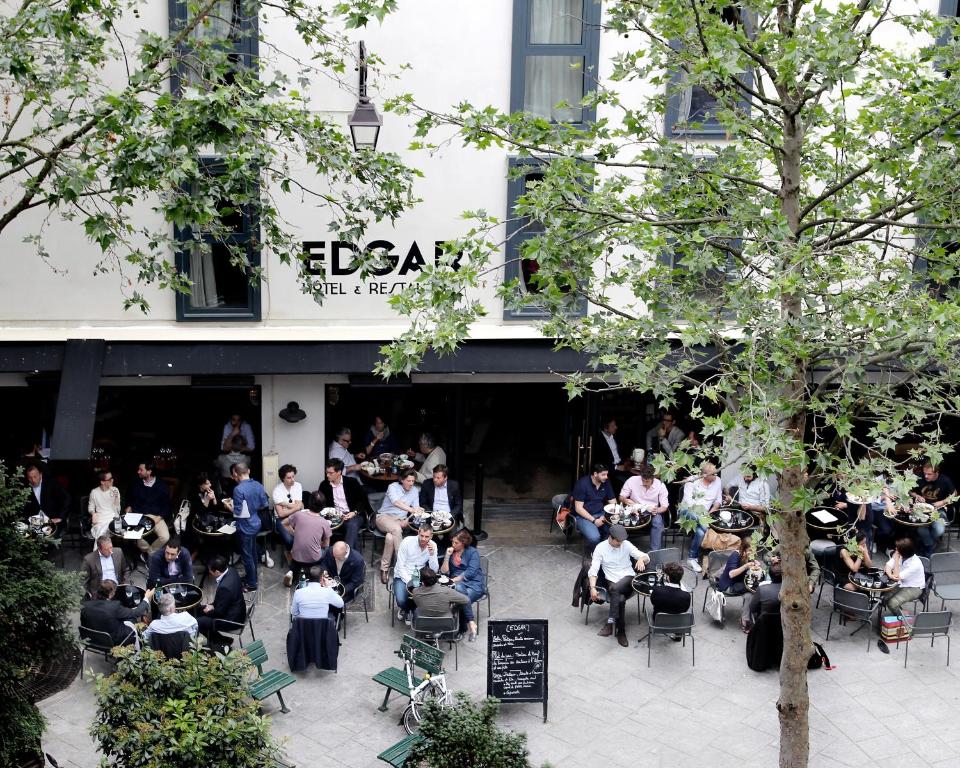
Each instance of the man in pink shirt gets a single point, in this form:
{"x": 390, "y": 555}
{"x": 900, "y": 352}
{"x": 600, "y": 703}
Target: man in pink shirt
{"x": 646, "y": 489}
{"x": 311, "y": 535}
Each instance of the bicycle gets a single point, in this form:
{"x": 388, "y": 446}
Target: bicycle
{"x": 431, "y": 688}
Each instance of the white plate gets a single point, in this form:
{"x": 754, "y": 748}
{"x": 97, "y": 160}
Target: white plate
{"x": 613, "y": 508}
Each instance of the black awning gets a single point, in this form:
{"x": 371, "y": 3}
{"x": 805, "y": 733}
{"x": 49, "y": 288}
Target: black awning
{"x": 77, "y": 400}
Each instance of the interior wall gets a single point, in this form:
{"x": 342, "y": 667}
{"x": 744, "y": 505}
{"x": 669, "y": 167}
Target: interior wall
{"x": 301, "y": 444}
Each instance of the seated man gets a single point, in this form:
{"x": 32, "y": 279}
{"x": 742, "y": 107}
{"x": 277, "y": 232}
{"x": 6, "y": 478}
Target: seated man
{"x": 170, "y": 621}
{"x": 46, "y": 497}
{"x": 346, "y": 564}
{"x": 646, "y": 489}
{"x": 148, "y": 495}
{"x": 340, "y": 449}
{"x": 287, "y": 499}
{"x": 224, "y": 462}
{"x": 670, "y": 597}
{"x": 434, "y": 600}
{"x": 614, "y": 556}
{"x": 936, "y": 489}
{"x": 105, "y": 563}
{"x": 413, "y": 554}
{"x": 753, "y": 493}
{"x": 428, "y": 457}
{"x": 314, "y": 600}
{"x": 700, "y": 496}
{"x": 664, "y": 437}
{"x": 591, "y": 493}
{"x": 347, "y": 495}
{"x": 767, "y": 597}
{"x": 227, "y": 603}
{"x": 813, "y": 566}
{"x": 172, "y": 565}
{"x": 104, "y": 614}
{"x": 441, "y": 494}
{"x": 401, "y": 499}
{"x": 311, "y": 535}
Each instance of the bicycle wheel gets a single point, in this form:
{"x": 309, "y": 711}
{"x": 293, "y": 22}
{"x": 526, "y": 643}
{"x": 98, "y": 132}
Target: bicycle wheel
{"x": 412, "y": 714}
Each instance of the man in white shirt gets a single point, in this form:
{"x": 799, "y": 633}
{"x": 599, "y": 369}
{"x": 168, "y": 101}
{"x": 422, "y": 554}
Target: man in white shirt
{"x": 287, "y": 498}
{"x": 340, "y": 449}
{"x": 237, "y": 427}
{"x": 614, "y": 556}
{"x": 428, "y": 457}
{"x": 413, "y": 553}
{"x": 648, "y": 490}
{"x": 702, "y": 496}
{"x": 170, "y": 621}
{"x": 313, "y": 601}
{"x": 753, "y": 492}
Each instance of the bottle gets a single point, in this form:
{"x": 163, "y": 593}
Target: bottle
{"x": 416, "y": 578}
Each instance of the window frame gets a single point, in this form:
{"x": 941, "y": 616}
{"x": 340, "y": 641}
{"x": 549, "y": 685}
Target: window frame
{"x": 588, "y": 48}
{"x": 713, "y": 128}
{"x": 246, "y": 238}
{"x": 516, "y": 185}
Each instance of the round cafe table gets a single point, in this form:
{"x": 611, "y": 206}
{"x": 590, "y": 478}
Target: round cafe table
{"x": 831, "y": 522}
{"x": 119, "y": 528}
{"x": 740, "y": 521}
{"x": 644, "y": 582}
{"x": 908, "y": 518}
{"x": 873, "y": 581}
{"x": 633, "y": 518}
{"x": 332, "y": 516}
{"x": 439, "y": 529}
{"x": 332, "y": 581}
{"x": 381, "y": 477}
{"x": 129, "y": 595}
{"x": 186, "y": 596}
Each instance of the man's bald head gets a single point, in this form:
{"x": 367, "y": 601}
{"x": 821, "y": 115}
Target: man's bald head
{"x": 340, "y": 550}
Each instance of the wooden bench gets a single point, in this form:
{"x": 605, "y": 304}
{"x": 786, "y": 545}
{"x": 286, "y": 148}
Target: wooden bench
{"x": 422, "y": 655}
{"x": 398, "y": 753}
{"x": 270, "y": 682}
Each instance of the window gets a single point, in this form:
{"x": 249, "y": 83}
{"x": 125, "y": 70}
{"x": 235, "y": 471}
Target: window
{"x": 555, "y": 53}
{"x": 523, "y": 173}
{"x": 692, "y": 110}
{"x": 221, "y": 290}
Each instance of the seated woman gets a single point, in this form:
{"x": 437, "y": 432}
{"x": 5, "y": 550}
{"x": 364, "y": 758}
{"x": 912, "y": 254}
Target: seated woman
{"x": 847, "y": 562}
{"x": 206, "y": 508}
{"x": 463, "y": 566}
{"x": 379, "y": 440}
{"x": 731, "y": 581}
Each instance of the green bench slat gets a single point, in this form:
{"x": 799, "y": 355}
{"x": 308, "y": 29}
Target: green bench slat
{"x": 272, "y": 681}
{"x": 394, "y": 678}
{"x": 396, "y": 755}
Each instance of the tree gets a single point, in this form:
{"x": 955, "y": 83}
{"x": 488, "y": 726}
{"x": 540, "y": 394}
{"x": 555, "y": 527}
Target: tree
{"x": 155, "y": 713}
{"x": 35, "y": 599}
{"x": 796, "y": 278}
{"x": 91, "y": 131}
{"x": 466, "y": 735}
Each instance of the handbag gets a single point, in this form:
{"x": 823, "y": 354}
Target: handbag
{"x": 564, "y": 512}
{"x": 716, "y": 602}
{"x": 819, "y": 659}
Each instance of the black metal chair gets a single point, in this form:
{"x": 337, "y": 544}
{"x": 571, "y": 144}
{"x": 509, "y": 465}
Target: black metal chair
{"x": 716, "y": 562}
{"x": 101, "y": 643}
{"x": 439, "y": 629}
{"x": 361, "y": 594}
{"x": 933, "y": 624}
{"x": 172, "y": 645}
{"x": 854, "y": 606}
{"x": 485, "y": 567}
{"x": 236, "y": 628}
{"x": 673, "y": 624}
{"x": 946, "y": 565}
{"x": 827, "y": 576}
{"x": 376, "y": 534}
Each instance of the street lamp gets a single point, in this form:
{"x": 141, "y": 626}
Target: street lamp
{"x": 364, "y": 122}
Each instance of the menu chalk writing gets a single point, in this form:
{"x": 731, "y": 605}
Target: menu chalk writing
{"x": 517, "y": 660}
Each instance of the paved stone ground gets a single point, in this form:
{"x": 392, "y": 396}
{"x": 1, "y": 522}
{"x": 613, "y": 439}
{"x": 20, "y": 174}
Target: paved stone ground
{"x": 606, "y": 707}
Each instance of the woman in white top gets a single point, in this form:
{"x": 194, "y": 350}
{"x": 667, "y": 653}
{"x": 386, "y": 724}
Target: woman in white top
{"x": 103, "y": 505}
{"x": 904, "y": 566}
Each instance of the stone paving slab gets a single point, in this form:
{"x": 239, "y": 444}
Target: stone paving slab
{"x": 606, "y": 707}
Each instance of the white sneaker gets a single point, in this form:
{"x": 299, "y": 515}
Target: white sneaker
{"x": 694, "y": 565}
{"x": 268, "y": 560}
{"x": 288, "y": 579}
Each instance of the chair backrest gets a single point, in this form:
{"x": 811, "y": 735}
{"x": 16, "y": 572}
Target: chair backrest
{"x": 557, "y": 501}
{"x": 829, "y": 577}
{"x": 257, "y": 653}
{"x": 663, "y": 556}
{"x": 485, "y": 567}
{"x": 422, "y": 655}
{"x": 853, "y": 601}
{"x": 945, "y": 562}
{"x": 932, "y": 622}
{"x": 95, "y": 639}
{"x": 435, "y": 625}
{"x": 172, "y": 645}
{"x": 716, "y": 562}
{"x": 673, "y": 622}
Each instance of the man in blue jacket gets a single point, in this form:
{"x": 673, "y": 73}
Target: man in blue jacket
{"x": 172, "y": 565}
{"x": 249, "y": 497}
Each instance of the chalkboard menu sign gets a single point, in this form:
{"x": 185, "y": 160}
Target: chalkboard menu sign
{"x": 517, "y": 660}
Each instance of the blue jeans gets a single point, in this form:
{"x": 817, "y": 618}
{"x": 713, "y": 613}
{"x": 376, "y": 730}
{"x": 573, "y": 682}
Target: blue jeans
{"x": 285, "y": 536}
{"x": 401, "y": 594}
{"x": 248, "y": 555}
{"x": 929, "y": 536}
{"x": 590, "y": 532}
{"x": 694, "y": 553}
{"x": 473, "y": 594}
{"x": 656, "y": 531}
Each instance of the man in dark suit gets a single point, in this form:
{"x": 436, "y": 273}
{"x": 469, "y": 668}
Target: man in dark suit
{"x": 46, "y": 496}
{"x": 104, "y": 614}
{"x": 227, "y": 603}
{"x": 670, "y": 597}
{"x": 104, "y": 562}
{"x": 607, "y": 451}
{"x": 348, "y": 496}
{"x": 346, "y": 564}
{"x": 441, "y": 494}
{"x": 171, "y": 565}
